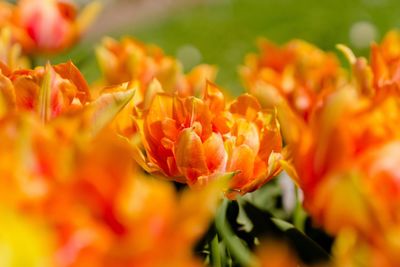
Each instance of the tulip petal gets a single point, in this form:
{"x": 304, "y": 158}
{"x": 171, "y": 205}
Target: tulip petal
{"x": 247, "y": 106}
{"x": 242, "y": 159}
{"x": 108, "y": 105}
{"x": 190, "y": 156}
{"x": 215, "y": 153}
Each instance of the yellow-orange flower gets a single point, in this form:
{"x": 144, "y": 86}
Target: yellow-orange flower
{"x": 254, "y": 144}
{"x": 129, "y": 59}
{"x": 192, "y": 140}
{"x": 385, "y": 64}
{"x": 346, "y": 161}
{"x": 10, "y": 52}
{"x": 47, "y": 91}
{"x": 296, "y": 75}
{"x": 92, "y": 201}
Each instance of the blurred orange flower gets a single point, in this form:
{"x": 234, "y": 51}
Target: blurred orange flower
{"x": 47, "y": 91}
{"x": 385, "y": 64}
{"x": 295, "y": 76}
{"x": 47, "y": 25}
{"x": 346, "y": 164}
{"x": 92, "y": 201}
{"x": 11, "y": 53}
{"x": 129, "y": 59}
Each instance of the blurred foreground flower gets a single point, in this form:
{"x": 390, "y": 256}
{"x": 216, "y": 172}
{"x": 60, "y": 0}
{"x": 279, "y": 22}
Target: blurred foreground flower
{"x": 97, "y": 208}
{"x": 347, "y": 159}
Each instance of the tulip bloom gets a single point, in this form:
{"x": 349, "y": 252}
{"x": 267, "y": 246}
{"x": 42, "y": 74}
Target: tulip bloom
{"x": 347, "y": 161}
{"x": 192, "y": 140}
{"x": 385, "y": 64}
{"x": 48, "y": 25}
{"x": 47, "y": 91}
{"x": 94, "y": 205}
{"x": 295, "y": 76}
{"x": 129, "y": 59}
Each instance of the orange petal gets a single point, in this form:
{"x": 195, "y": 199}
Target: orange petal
{"x": 215, "y": 153}
{"x": 242, "y": 159}
{"x": 214, "y": 98}
{"x": 190, "y": 156}
{"x": 69, "y": 71}
{"x": 246, "y": 105}
{"x": 160, "y": 108}
{"x": 7, "y": 93}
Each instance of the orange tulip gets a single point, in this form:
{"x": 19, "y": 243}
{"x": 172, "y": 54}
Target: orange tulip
{"x": 193, "y": 140}
{"x": 346, "y": 161}
{"x": 385, "y": 64}
{"x": 51, "y": 25}
{"x": 295, "y": 76}
{"x": 254, "y": 146}
{"x": 129, "y": 59}
{"x": 48, "y": 25}
{"x": 47, "y": 91}
{"x": 94, "y": 204}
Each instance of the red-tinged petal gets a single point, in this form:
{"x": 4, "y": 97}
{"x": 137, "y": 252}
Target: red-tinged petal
{"x": 247, "y": 106}
{"x": 169, "y": 128}
{"x": 242, "y": 159}
{"x": 215, "y": 153}
{"x": 190, "y": 156}
{"x": 44, "y": 24}
{"x": 26, "y": 91}
{"x": 222, "y": 122}
{"x": 214, "y": 98}
{"x": 70, "y": 72}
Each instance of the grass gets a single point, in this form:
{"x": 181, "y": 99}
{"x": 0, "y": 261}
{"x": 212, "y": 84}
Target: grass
{"x": 224, "y": 31}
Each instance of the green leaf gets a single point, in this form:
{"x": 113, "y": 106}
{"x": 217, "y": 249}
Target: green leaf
{"x": 238, "y": 250}
{"x": 215, "y": 254}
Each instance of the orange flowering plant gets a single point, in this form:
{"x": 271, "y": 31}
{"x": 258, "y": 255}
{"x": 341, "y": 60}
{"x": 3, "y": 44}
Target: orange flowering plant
{"x": 46, "y": 26}
{"x": 151, "y": 165}
{"x": 346, "y": 160}
{"x": 193, "y": 140}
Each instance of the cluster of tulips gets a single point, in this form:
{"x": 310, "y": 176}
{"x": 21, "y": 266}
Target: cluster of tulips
{"x": 88, "y": 173}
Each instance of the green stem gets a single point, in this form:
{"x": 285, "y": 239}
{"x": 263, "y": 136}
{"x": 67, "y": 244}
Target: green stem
{"x": 215, "y": 254}
{"x": 237, "y": 249}
{"x": 299, "y": 217}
